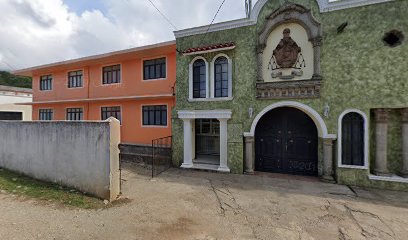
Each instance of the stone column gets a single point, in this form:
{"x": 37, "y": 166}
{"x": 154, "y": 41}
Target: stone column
{"x": 404, "y": 120}
{"x": 328, "y": 160}
{"x": 317, "y": 42}
{"x": 260, "y": 63}
{"x": 223, "y": 146}
{"x": 381, "y": 134}
{"x": 188, "y": 140}
{"x": 249, "y": 154}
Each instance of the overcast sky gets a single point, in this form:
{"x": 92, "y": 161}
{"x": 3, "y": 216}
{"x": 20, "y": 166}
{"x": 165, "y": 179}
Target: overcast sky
{"x": 35, "y": 32}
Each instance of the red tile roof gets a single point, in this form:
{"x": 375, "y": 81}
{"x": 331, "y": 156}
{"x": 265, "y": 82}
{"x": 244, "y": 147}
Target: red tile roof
{"x": 211, "y": 48}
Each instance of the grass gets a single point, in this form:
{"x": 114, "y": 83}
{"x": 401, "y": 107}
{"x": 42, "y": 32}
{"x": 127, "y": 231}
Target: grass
{"x": 25, "y": 186}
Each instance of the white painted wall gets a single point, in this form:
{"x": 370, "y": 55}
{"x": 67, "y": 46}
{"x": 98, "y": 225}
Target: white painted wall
{"x": 83, "y": 155}
{"x": 8, "y": 100}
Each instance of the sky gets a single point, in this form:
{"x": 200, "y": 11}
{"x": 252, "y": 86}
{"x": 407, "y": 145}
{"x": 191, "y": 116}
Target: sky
{"x": 36, "y": 32}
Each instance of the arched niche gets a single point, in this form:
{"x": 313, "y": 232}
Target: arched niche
{"x": 292, "y": 13}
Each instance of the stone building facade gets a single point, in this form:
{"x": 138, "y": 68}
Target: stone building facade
{"x": 298, "y": 87}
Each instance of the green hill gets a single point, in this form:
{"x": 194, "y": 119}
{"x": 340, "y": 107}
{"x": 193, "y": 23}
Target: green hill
{"x": 9, "y": 79}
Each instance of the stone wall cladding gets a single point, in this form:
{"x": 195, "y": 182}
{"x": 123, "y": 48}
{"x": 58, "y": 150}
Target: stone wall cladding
{"x": 358, "y": 70}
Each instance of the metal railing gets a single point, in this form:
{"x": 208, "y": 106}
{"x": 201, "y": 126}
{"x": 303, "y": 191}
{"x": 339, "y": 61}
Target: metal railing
{"x": 161, "y": 155}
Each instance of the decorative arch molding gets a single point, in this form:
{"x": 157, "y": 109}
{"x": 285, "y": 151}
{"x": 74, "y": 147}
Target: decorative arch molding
{"x": 366, "y": 139}
{"x": 212, "y": 72}
{"x": 313, "y": 114}
{"x": 292, "y": 13}
{"x": 190, "y": 78}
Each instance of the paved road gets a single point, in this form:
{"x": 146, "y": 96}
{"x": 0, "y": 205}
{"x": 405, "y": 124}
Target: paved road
{"x": 205, "y": 206}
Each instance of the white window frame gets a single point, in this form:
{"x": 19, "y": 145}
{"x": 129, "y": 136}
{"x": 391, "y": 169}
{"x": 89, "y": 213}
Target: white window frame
{"x": 190, "y": 81}
{"x": 212, "y": 81}
{"x": 366, "y": 139}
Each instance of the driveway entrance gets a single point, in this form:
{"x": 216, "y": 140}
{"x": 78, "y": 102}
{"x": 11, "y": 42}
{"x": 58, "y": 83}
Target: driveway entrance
{"x": 286, "y": 141}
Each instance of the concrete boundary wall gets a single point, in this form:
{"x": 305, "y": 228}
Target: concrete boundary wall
{"x": 83, "y": 155}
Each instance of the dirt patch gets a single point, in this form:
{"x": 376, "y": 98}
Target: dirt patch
{"x": 194, "y": 205}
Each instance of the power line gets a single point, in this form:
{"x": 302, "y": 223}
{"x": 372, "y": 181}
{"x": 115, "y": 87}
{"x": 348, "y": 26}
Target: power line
{"x": 164, "y": 16}
{"x": 208, "y": 29}
{"x": 11, "y": 67}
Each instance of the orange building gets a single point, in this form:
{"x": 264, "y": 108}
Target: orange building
{"x": 134, "y": 85}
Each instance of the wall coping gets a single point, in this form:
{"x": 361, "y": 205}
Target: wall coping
{"x": 324, "y": 6}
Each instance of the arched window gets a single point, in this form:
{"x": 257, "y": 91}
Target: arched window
{"x": 199, "y": 79}
{"x": 353, "y": 140}
{"x": 221, "y": 75}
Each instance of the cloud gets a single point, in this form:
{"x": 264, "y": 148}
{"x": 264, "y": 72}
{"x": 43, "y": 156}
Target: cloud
{"x": 37, "y": 32}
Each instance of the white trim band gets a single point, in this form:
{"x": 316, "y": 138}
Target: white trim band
{"x": 324, "y": 6}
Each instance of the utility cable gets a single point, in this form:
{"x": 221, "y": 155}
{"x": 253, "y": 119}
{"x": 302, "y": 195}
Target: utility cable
{"x": 208, "y": 29}
{"x": 11, "y": 67}
{"x": 164, "y": 16}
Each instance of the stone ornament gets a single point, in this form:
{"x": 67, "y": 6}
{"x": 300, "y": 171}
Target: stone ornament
{"x": 287, "y": 55}
{"x": 382, "y": 115}
{"x": 291, "y": 89}
{"x": 287, "y": 51}
{"x": 404, "y": 115}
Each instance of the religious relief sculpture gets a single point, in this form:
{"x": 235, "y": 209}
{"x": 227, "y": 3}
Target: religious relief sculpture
{"x": 287, "y": 55}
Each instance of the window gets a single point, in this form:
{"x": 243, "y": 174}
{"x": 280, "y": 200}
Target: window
{"x": 75, "y": 114}
{"x": 217, "y": 87}
{"x": 155, "y": 115}
{"x": 45, "y": 114}
{"x": 199, "y": 79}
{"x": 207, "y": 137}
{"x": 352, "y": 140}
{"x": 221, "y": 77}
{"x": 46, "y": 82}
{"x": 75, "y": 79}
{"x": 111, "y": 74}
{"x": 154, "y": 69}
{"x": 108, "y": 112}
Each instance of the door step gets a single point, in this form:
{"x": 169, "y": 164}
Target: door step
{"x": 207, "y": 167}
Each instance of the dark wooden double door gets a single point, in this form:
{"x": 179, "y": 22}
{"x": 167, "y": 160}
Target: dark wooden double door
{"x": 286, "y": 142}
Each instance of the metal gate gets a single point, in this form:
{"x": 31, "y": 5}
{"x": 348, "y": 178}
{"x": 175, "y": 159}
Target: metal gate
{"x": 286, "y": 142}
{"x": 161, "y": 155}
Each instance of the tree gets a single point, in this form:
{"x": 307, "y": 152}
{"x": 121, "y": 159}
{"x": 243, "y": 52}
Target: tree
{"x": 9, "y": 79}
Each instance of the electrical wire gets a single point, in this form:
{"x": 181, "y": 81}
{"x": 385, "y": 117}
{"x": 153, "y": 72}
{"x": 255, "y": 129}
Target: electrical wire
{"x": 164, "y": 16}
{"x": 11, "y": 67}
{"x": 219, "y": 8}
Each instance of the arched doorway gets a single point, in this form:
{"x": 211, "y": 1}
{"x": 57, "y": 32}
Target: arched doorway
{"x": 286, "y": 141}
